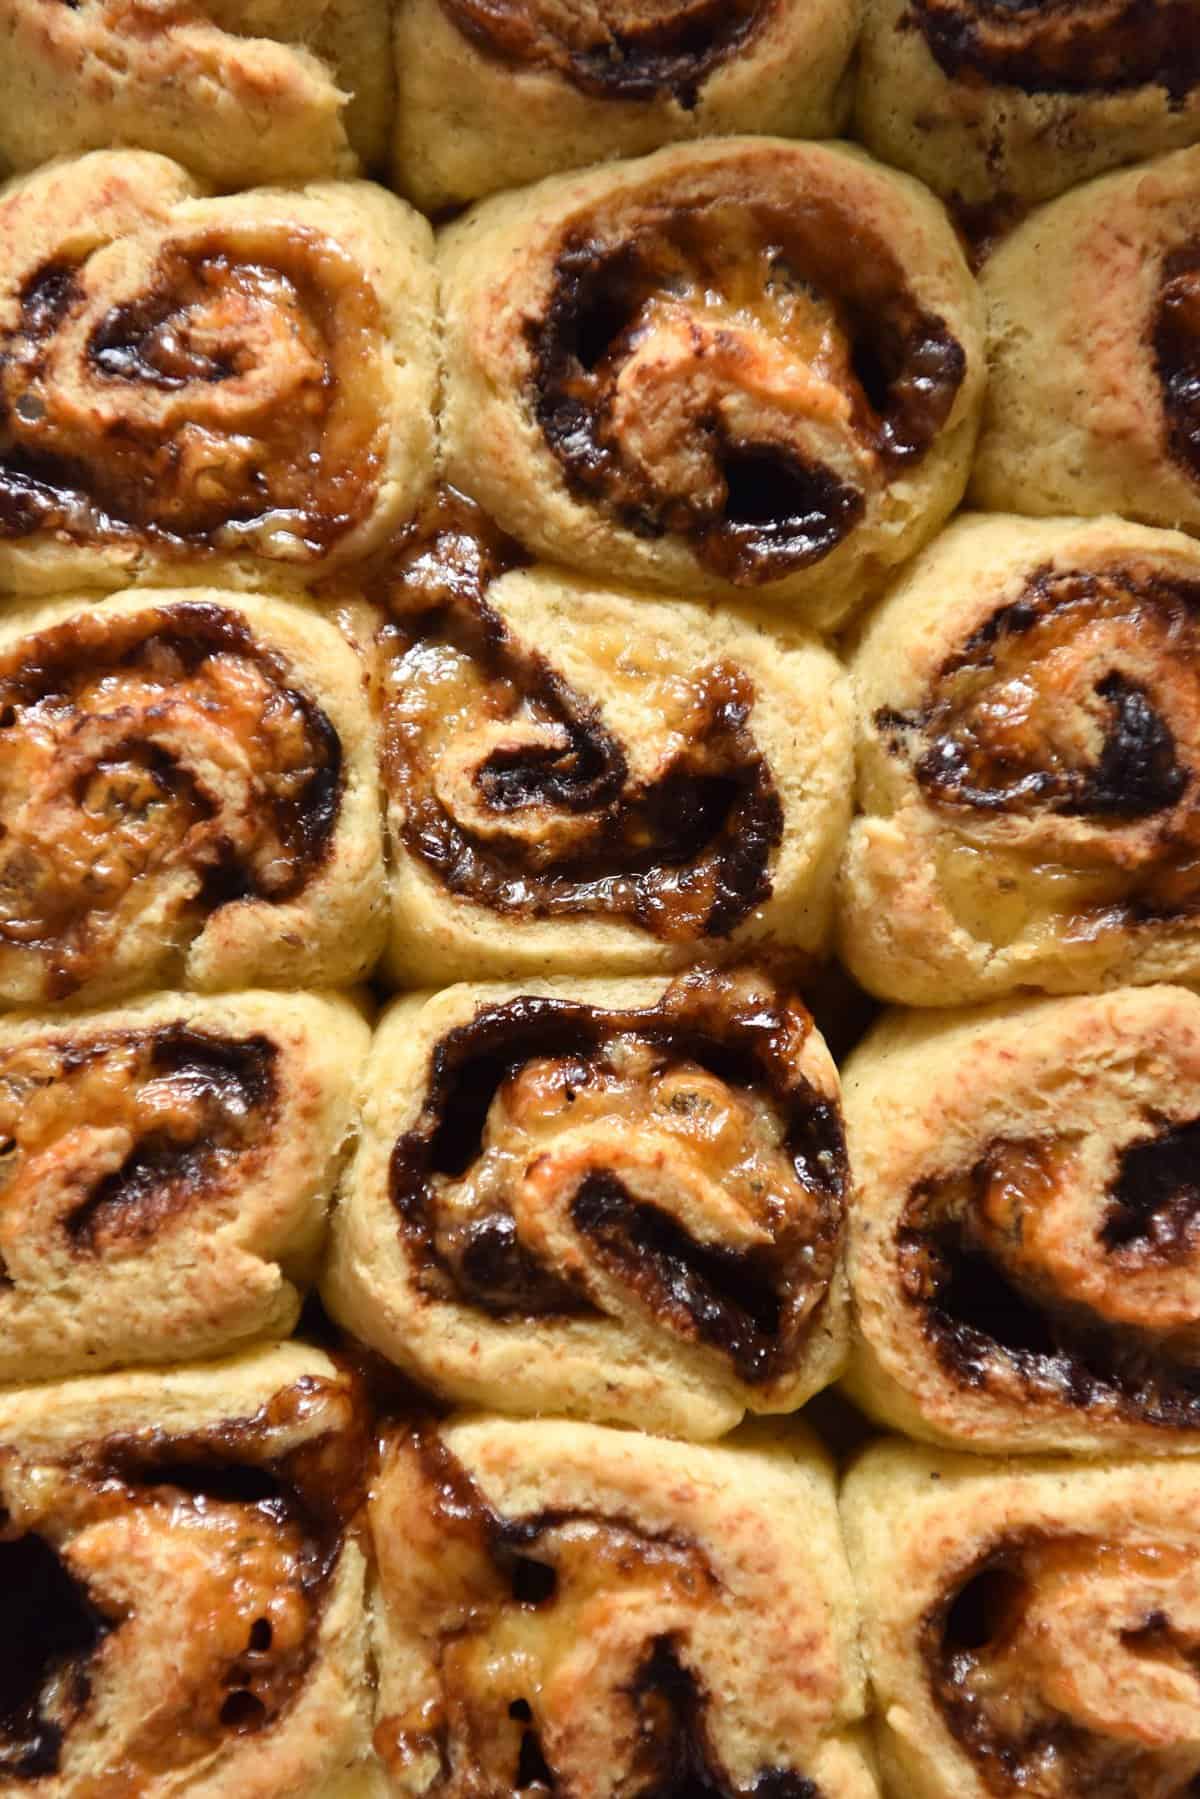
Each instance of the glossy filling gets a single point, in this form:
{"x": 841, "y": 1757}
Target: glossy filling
{"x": 515, "y": 1142}
{"x": 155, "y": 763}
{"x": 738, "y": 377}
{"x": 1061, "y": 745}
{"x": 514, "y": 793}
{"x": 1066, "y": 46}
{"x": 1067, "y": 1664}
{"x": 235, "y": 1533}
{"x": 511, "y": 1712}
{"x": 205, "y": 410}
{"x": 615, "y": 49}
{"x": 1176, "y": 337}
{"x": 1025, "y": 1299}
{"x": 106, "y": 1141}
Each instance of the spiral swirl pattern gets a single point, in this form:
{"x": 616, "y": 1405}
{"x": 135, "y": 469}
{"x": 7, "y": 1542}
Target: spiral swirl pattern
{"x": 155, "y": 760}
{"x": 1066, "y": 1663}
{"x": 1031, "y": 758}
{"x": 224, "y": 1541}
{"x": 519, "y": 1239}
{"x": 246, "y": 378}
{"x": 515, "y": 794}
{"x": 614, "y": 1608}
{"x": 1031, "y": 1625}
{"x": 1026, "y": 1258}
{"x": 753, "y": 365}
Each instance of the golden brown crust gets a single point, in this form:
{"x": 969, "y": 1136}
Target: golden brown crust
{"x": 1024, "y": 1229}
{"x": 1030, "y": 1628}
{"x": 242, "y": 383}
{"x": 276, "y": 90}
{"x": 179, "y": 1549}
{"x": 504, "y": 1242}
{"x": 1092, "y": 334}
{"x": 189, "y": 792}
{"x": 604, "y": 1610}
{"x": 744, "y": 367}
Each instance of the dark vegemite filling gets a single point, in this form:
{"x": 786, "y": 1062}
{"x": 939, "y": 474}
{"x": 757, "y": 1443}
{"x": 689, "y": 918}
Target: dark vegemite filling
{"x": 622, "y": 52}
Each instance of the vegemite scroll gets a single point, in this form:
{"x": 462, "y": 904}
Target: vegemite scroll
{"x": 1030, "y": 1627}
{"x": 281, "y": 90}
{"x": 165, "y": 1174}
{"x": 497, "y": 93}
{"x": 618, "y": 1200}
{"x": 238, "y": 388}
{"x": 744, "y": 368}
{"x": 582, "y": 779}
{"x": 1029, "y": 758}
{"x": 598, "y": 1612}
{"x": 1024, "y": 1241}
{"x": 999, "y": 104}
{"x": 188, "y": 794}
{"x": 1093, "y": 400}
{"x": 184, "y": 1585}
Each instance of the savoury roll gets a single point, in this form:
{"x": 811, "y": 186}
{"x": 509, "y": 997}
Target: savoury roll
{"x": 1029, "y": 755}
{"x": 279, "y": 90}
{"x": 242, "y": 384}
{"x": 1024, "y": 1241}
{"x": 621, "y": 1200}
{"x": 1030, "y": 1627}
{"x": 183, "y": 1584}
{"x": 994, "y": 102}
{"x": 165, "y": 1173}
{"x": 742, "y": 367}
{"x": 1094, "y": 343}
{"x": 188, "y": 795}
{"x": 598, "y": 1612}
{"x": 496, "y": 93}
{"x": 582, "y": 779}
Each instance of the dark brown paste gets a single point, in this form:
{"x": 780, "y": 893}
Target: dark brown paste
{"x": 1002, "y": 1321}
{"x": 1176, "y": 336}
{"x": 713, "y": 1067}
{"x": 197, "y": 1108}
{"x": 1065, "y": 46}
{"x": 208, "y": 413}
{"x": 703, "y": 286}
{"x": 544, "y": 1567}
{"x": 616, "y": 49}
{"x": 986, "y": 1652}
{"x": 264, "y": 1502}
{"x": 115, "y": 735}
{"x": 685, "y": 853}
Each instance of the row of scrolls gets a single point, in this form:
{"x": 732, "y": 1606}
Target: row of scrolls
{"x": 631, "y": 1201}
{"x": 992, "y": 106}
{"x": 495, "y": 770}
{"x": 747, "y": 368}
{"x": 564, "y": 1607}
